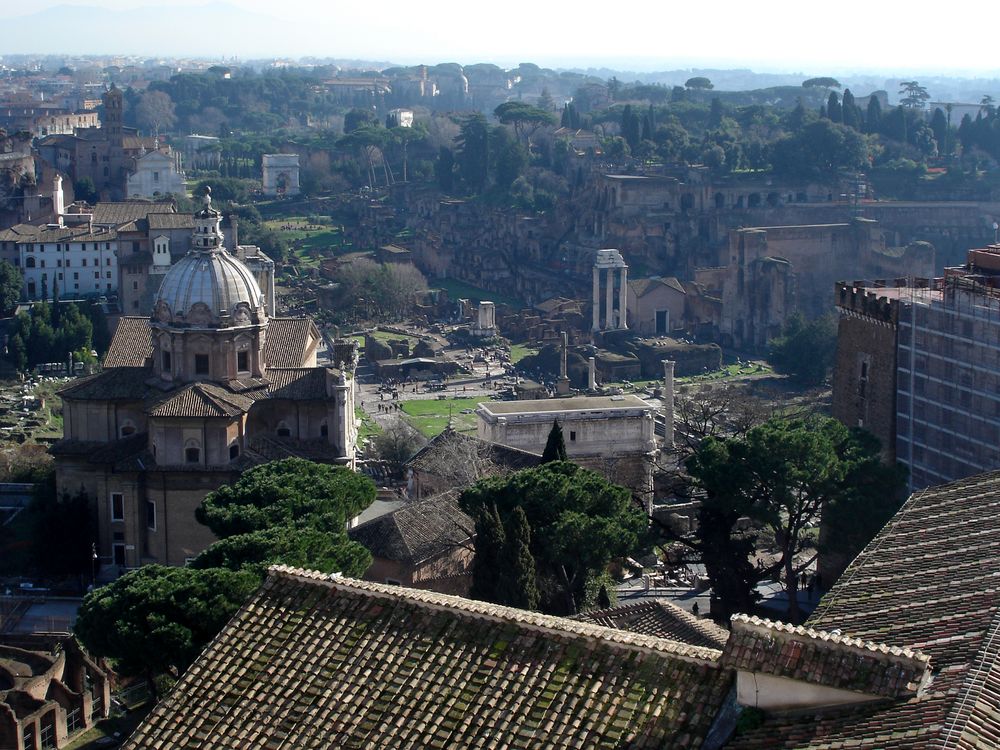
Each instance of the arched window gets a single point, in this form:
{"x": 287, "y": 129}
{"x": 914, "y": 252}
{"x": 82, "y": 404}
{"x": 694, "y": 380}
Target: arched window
{"x": 324, "y": 430}
{"x": 234, "y": 451}
{"x": 283, "y": 430}
{"x": 127, "y": 428}
{"x": 29, "y": 262}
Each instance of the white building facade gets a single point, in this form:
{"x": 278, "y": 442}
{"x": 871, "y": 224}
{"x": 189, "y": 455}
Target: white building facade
{"x": 75, "y": 261}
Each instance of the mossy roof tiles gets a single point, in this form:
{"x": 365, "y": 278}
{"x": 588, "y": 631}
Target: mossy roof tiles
{"x": 319, "y": 662}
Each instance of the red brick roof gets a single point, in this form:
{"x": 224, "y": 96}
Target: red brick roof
{"x": 663, "y": 619}
{"x": 131, "y": 345}
{"x": 285, "y": 343}
{"x": 928, "y": 581}
{"x": 318, "y": 662}
{"x": 201, "y": 400}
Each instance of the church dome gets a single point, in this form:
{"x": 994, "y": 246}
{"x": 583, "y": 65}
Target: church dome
{"x": 208, "y": 287}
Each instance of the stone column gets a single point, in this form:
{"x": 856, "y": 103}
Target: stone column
{"x": 668, "y": 403}
{"x": 592, "y": 374}
{"x": 562, "y": 365}
{"x": 609, "y": 320}
{"x": 597, "y": 299}
{"x": 623, "y": 299}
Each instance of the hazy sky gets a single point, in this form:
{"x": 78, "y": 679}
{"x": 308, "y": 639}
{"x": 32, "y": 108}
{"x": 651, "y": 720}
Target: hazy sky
{"x": 778, "y": 35}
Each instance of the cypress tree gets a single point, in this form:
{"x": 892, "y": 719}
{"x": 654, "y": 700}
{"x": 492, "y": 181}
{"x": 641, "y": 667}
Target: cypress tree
{"x": 873, "y": 119}
{"x": 851, "y": 116}
{"x": 833, "y": 109}
{"x": 489, "y": 553}
{"x": 555, "y": 446}
{"x": 516, "y": 586}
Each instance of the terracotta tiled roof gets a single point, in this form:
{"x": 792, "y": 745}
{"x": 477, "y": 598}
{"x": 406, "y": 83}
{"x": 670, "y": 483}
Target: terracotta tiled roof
{"x": 823, "y": 658}
{"x": 116, "y": 213}
{"x": 416, "y": 532}
{"x": 663, "y": 619}
{"x": 299, "y": 383}
{"x": 116, "y": 384}
{"x": 131, "y": 344}
{"x": 313, "y": 662}
{"x": 286, "y": 341}
{"x": 201, "y": 400}
{"x": 284, "y": 344}
{"x": 641, "y": 286}
{"x": 928, "y": 581}
{"x": 161, "y": 221}
{"x": 427, "y": 458}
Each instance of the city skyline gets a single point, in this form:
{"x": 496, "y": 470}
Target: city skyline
{"x": 859, "y": 37}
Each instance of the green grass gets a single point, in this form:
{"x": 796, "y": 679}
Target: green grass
{"x": 430, "y": 416}
{"x": 520, "y": 351}
{"x": 460, "y": 290}
{"x": 369, "y": 427}
{"x": 386, "y": 336}
{"x": 731, "y": 371}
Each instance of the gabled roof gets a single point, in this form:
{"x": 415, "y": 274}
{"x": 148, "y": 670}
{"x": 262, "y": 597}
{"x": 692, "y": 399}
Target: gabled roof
{"x": 287, "y": 341}
{"x": 116, "y": 213}
{"x": 428, "y": 457}
{"x": 131, "y": 344}
{"x": 929, "y": 582}
{"x": 416, "y": 532}
{"x": 663, "y": 619}
{"x": 116, "y": 384}
{"x": 285, "y": 344}
{"x": 157, "y": 221}
{"x": 201, "y": 400}
{"x": 642, "y": 287}
{"x": 313, "y": 661}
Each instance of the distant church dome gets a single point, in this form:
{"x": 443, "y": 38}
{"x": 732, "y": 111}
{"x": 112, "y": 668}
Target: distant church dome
{"x": 208, "y": 287}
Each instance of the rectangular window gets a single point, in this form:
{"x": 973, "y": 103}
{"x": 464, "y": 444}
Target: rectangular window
{"x": 107, "y": 274}
{"x": 76, "y": 275}
{"x": 135, "y": 285}
{"x": 243, "y": 361}
{"x": 151, "y": 515}
{"x": 107, "y": 262}
{"x": 572, "y": 435}
{"x": 84, "y": 262}
{"x": 201, "y": 364}
{"x": 192, "y": 455}
{"x": 166, "y": 361}
{"x": 117, "y": 506}
{"x": 97, "y": 274}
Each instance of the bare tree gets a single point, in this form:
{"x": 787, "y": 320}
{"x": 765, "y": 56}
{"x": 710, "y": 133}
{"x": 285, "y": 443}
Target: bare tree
{"x": 456, "y": 461}
{"x": 155, "y": 110}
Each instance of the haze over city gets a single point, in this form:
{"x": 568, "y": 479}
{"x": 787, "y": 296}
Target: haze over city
{"x": 780, "y": 37}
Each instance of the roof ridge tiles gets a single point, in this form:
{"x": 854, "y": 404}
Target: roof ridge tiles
{"x": 495, "y": 612}
{"x": 830, "y": 637}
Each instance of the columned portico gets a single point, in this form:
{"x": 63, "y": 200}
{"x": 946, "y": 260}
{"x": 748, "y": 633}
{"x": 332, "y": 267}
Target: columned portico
{"x": 613, "y": 320}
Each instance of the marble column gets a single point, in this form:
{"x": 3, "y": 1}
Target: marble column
{"x": 597, "y": 299}
{"x": 623, "y": 299}
{"x": 592, "y": 374}
{"x": 609, "y": 318}
{"x": 668, "y": 403}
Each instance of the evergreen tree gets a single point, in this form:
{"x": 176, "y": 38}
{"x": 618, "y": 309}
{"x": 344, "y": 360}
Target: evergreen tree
{"x": 473, "y": 151}
{"x": 516, "y": 586}
{"x": 444, "y": 169}
{"x": 555, "y": 446}
{"x": 851, "y": 114}
{"x": 833, "y": 109}
{"x": 939, "y": 125}
{"x": 489, "y": 555}
{"x": 715, "y": 113}
{"x": 873, "y": 118}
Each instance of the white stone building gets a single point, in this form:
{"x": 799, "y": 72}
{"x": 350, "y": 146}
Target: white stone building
{"x": 280, "y": 175}
{"x": 78, "y": 261}
{"x": 613, "y": 435}
{"x": 156, "y": 174}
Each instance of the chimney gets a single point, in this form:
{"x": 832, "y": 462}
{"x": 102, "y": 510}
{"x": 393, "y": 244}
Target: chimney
{"x": 668, "y": 403}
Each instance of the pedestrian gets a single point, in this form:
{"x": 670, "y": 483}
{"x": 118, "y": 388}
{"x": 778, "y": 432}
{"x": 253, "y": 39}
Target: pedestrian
{"x": 695, "y": 609}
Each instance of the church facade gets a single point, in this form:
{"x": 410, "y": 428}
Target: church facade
{"x": 206, "y": 387}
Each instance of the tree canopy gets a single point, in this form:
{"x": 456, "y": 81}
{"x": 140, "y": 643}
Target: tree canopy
{"x": 291, "y": 492}
{"x": 555, "y": 445}
{"x": 783, "y": 475}
{"x": 698, "y": 82}
{"x": 805, "y": 349}
{"x": 578, "y": 523}
{"x": 158, "y": 619}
